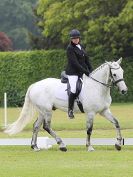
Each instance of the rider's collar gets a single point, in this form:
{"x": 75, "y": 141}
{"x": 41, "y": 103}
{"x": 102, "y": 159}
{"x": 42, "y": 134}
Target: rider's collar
{"x": 73, "y": 44}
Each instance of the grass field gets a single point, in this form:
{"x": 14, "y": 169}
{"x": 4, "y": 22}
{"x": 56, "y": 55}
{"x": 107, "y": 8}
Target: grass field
{"x": 105, "y": 162}
{"x": 21, "y": 161}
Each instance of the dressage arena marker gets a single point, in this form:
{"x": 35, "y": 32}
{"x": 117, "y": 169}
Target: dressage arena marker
{"x": 5, "y": 110}
{"x": 46, "y": 143}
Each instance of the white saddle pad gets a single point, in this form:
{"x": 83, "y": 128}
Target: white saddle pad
{"x": 61, "y": 92}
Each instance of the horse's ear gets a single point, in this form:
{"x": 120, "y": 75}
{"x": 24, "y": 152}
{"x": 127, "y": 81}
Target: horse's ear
{"x": 119, "y": 61}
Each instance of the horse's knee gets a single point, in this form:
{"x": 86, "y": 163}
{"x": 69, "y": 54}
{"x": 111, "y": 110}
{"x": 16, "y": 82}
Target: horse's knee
{"x": 36, "y": 128}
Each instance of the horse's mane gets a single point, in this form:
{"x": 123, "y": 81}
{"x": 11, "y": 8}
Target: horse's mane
{"x": 100, "y": 67}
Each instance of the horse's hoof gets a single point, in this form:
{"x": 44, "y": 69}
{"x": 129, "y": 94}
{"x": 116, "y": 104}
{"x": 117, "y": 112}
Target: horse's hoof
{"x": 118, "y": 147}
{"x": 90, "y": 149}
{"x": 64, "y": 149}
{"x": 35, "y": 148}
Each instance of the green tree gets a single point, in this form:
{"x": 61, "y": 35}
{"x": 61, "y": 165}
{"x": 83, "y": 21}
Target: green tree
{"x": 17, "y": 19}
{"x": 106, "y": 26}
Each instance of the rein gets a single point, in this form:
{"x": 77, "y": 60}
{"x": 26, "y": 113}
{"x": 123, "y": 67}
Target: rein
{"x": 107, "y": 85}
{"x": 113, "y": 82}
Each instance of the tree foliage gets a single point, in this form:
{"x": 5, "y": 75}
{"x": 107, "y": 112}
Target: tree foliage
{"x": 17, "y": 19}
{"x": 106, "y": 26}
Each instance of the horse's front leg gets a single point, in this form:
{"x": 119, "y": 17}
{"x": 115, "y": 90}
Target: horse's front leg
{"x": 47, "y": 127}
{"x": 108, "y": 115}
{"x": 89, "y": 127}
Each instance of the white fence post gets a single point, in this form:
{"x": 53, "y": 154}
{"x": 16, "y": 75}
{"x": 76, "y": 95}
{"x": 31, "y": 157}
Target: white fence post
{"x": 5, "y": 109}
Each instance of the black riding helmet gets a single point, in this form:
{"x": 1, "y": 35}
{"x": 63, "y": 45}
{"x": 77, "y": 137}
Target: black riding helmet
{"x": 74, "y": 34}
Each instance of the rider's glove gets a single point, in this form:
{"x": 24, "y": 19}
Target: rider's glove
{"x": 87, "y": 73}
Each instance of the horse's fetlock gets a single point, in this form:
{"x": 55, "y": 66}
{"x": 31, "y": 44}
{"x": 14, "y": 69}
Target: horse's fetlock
{"x": 59, "y": 141}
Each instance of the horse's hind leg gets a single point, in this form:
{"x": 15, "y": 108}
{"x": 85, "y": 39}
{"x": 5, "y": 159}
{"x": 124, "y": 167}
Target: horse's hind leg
{"x": 36, "y": 128}
{"x": 108, "y": 115}
{"x": 46, "y": 126}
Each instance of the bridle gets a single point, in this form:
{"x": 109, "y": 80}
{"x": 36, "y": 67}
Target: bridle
{"x": 113, "y": 83}
{"x": 117, "y": 81}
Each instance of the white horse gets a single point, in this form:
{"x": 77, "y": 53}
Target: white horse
{"x": 95, "y": 97}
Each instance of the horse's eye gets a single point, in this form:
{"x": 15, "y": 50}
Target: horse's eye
{"x": 114, "y": 75}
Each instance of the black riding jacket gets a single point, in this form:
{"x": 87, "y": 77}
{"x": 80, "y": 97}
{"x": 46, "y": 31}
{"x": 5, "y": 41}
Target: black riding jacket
{"x": 78, "y": 61}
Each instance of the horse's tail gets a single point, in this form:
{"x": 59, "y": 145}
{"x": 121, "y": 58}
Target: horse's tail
{"x": 25, "y": 117}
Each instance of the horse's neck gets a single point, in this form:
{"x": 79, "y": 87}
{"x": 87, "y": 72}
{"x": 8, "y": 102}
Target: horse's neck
{"x": 101, "y": 74}
{"x": 94, "y": 87}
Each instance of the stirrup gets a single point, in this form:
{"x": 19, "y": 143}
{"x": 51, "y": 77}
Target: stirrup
{"x": 70, "y": 114}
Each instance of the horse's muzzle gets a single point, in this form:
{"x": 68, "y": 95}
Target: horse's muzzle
{"x": 123, "y": 92}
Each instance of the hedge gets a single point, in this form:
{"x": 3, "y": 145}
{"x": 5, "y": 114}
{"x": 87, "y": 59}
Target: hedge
{"x": 20, "y": 69}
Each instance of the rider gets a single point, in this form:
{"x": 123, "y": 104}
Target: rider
{"x": 78, "y": 64}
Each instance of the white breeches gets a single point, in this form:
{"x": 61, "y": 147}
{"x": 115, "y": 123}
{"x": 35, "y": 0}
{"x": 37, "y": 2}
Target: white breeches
{"x": 72, "y": 81}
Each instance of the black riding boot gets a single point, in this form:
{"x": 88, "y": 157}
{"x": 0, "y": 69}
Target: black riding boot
{"x": 71, "y": 105}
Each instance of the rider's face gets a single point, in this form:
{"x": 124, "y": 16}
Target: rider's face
{"x": 75, "y": 40}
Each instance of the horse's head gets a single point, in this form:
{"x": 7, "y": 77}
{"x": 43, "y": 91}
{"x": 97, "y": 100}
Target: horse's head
{"x": 116, "y": 73}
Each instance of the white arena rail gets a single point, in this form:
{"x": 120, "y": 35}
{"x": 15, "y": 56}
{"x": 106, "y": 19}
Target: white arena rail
{"x": 45, "y": 142}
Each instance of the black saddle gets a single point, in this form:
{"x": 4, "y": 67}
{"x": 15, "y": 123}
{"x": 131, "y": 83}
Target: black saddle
{"x": 64, "y": 79}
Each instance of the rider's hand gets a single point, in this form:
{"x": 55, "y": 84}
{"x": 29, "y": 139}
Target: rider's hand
{"x": 87, "y": 73}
